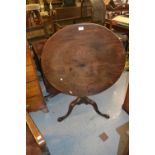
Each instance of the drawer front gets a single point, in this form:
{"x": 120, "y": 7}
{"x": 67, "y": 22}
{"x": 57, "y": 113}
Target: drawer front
{"x": 30, "y": 73}
{"x": 33, "y": 89}
{"x": 35, "y": 103}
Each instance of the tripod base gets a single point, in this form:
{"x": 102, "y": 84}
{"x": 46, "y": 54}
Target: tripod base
{"x": 78, "y": 101}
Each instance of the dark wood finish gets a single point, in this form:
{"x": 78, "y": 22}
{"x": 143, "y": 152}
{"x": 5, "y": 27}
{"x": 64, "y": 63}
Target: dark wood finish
{"x": 126, "y": 101}
{"x": 35, "y": 142}
{"x": 35, "y": 103}
{"x": 69, "y": 2}
{"x": 34, "y": 22}
{"x": 63, "y": 14}
{"x": 67, "y": 13}
{"x": 32, "y": 1}
{"x": 86, "y": 63}
{"x": 34, "y": 97}
{"x": 82, "y": 100}
{"x": 113, "y": 9}
{"x": 119, "y": 6}
{"x": 31, "y": 146}
{"x": 55, "y": 3}
{"x": 86, "y": 9}
{"x": 38, "y": 48}
{"x": 121, "y": 27}
{"x": 94, "y": 8}
{"x": 82, "y": 60}
{"x": 50, "y": 89}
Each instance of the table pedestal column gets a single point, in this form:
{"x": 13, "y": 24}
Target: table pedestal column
{"x": 80, "y": 100}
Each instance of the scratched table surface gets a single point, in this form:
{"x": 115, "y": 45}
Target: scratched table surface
{"x": 83, "y": 59}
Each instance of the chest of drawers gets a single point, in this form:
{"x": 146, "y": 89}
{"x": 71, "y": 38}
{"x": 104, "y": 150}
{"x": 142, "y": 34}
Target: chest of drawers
{"x": 34, "y": 96}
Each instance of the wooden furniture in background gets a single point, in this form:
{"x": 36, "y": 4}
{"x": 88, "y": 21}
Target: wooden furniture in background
{"x": 120, "y": 23}
{"x": 35, "y": 26}
{"x": 117, "y": 7}
{"x": 34, "y": 97}
{"x": 86, "y": 9}
{"x": 120, "y": 26}
{"x": 52, "y": 3}
{"x": 61, "y": 15}
{"x": 37, "y": 49}
{"x": 35, "y": 142}
{"x": 95, "y": 9}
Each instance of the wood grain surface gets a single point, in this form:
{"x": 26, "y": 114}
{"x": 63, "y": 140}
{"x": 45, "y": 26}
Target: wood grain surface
{"x": 83, "y": 59}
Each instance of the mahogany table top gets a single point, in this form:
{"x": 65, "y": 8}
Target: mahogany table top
{"x": 83, "y": 59}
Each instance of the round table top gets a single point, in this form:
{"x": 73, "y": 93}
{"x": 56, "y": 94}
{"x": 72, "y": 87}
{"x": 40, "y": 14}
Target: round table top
{"x": 83, "y": 59}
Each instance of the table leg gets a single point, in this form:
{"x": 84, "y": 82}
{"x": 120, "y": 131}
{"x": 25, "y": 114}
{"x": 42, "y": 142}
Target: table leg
{"x": 91, "y": 102}
{"x": 71, "y": 106}
{"x": 78, "y": 101}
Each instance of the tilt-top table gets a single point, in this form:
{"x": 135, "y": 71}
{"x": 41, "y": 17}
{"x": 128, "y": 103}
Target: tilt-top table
{"x": 81, "y": 60}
